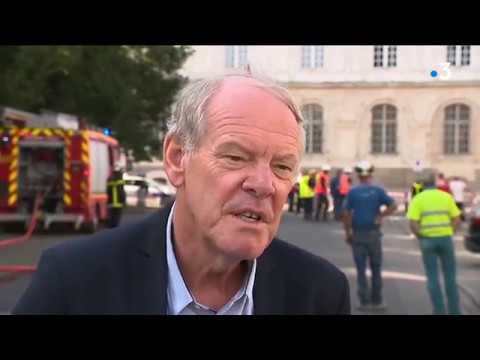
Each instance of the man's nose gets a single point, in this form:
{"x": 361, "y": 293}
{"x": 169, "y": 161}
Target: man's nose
{"x": 260, "y": 181}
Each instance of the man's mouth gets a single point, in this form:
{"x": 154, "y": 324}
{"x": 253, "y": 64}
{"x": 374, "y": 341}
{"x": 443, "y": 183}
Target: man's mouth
{"x": 249, "y": 216}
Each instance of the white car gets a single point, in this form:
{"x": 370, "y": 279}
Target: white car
{"x": 132, "y": 183}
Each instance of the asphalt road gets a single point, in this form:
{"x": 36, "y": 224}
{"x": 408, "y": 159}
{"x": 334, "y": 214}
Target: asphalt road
{"x": 404, "y": 278}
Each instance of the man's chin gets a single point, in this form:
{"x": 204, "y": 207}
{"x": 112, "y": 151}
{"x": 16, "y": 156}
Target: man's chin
{"x": 250, "y": 250}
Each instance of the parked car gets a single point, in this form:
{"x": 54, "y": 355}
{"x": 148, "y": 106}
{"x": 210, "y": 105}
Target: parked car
{"x": 154, "y": 189}
{"x": 472, "y": 236}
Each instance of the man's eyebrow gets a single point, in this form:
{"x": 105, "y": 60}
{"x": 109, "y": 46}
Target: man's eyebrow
{"x": 232, "y": 145}
{"x": 286, "y": 157}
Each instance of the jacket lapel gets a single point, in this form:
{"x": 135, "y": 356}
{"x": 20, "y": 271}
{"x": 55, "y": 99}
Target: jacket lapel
{"x": 147, "y": 291}
{"x": 148, "y": 273}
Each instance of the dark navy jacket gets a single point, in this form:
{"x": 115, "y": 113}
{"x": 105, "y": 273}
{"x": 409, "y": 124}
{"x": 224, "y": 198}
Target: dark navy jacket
{"x": 124, "y": 271}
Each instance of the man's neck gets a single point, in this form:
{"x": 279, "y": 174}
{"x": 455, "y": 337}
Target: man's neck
{"x": 211, "y": 278}
{"x": 365, "y": 181}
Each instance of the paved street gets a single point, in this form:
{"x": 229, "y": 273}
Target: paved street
{"x": 29, "y": 253}
{"x": 404, "y": 279}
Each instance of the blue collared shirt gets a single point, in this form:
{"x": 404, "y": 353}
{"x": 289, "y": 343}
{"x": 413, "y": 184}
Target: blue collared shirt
{"x": 182, "y": 302}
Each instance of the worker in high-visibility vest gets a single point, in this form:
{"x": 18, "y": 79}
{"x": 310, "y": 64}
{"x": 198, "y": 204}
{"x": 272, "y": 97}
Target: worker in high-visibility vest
{"x": 434, "y": 218}
{"x": 116, "y": 198}
{"x": 344, "y": 184}
{"x": 442, "y": 183}
{"x": 321, "y": 193}
{"x": 415, "y": 189}
{"x": 307, "y": 193}
{"x": 345, "y": 181}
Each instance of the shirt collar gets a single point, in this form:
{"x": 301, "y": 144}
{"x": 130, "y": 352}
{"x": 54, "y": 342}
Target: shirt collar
{"x": 178, "y": 294}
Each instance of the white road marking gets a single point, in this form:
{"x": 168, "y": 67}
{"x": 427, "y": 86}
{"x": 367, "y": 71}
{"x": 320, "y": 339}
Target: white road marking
{"x": 391, "y": 275}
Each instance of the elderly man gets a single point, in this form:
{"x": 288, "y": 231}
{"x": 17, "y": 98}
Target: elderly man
{"x": 232, "y": 151}
{"x": 434, "y": 218}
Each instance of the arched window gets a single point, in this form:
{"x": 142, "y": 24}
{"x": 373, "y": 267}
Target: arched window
{"x": 384, "y": 129}
{"x": 456, "y": 129}
{"x": 313, "y": 117}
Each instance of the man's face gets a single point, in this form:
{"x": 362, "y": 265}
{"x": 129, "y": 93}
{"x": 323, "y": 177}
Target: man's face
{"x": 238, "y": 180}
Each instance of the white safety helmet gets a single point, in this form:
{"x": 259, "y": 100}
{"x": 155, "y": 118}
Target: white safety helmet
{"x": 364, "y": 168}
{"x": 326, "y": 167}
{"x": 347, "y": 170}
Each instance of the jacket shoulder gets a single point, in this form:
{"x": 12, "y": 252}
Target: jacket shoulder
{"x": 88, "y": 252}
{"x": 303, "y": 264}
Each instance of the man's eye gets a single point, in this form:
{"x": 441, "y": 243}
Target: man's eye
{"x": 284, "y": 167}
{"x": 234, "y": 158}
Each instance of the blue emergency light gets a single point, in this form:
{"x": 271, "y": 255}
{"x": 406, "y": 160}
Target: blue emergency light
{"x": 107, "y": 131}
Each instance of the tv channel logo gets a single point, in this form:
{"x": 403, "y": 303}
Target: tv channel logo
{"x": 441, "y": 71}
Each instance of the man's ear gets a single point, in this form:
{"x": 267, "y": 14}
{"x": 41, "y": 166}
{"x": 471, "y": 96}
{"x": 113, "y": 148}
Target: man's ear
{"x": 173, "y": 161}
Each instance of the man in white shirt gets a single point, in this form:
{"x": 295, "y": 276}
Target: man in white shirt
{"x": 458, "y": 187}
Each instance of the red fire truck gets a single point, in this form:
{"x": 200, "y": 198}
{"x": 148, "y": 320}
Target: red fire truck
{"x": 69, "y": 167}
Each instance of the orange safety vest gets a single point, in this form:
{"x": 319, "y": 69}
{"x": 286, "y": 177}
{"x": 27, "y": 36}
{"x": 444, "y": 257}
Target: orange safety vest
{"x": 319, "y": 187}
{"x": 344, "y": 185}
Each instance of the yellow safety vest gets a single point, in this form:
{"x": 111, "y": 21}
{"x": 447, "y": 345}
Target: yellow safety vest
{"x": 115, "y": 184}
{"x": 305, "y": 191}
{"x": 417, "y": 188}
{"x": 434, "y": 210}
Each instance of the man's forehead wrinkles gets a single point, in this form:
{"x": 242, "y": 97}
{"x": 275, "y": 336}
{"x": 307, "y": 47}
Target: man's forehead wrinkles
{"x": 246, "y": 129}
{"x": 223, "y": 112}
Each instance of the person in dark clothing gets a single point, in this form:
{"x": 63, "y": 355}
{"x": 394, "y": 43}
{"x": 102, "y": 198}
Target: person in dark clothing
{"x": 335, "y": 192}
{"x": 292, "y": 196}
{"x": 321, "y": 193}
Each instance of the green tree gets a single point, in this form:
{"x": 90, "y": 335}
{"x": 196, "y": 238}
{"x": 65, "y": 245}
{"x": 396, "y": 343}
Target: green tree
{"x": 129, "y": 89}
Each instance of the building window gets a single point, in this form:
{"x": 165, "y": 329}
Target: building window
{"x": 312, "y": 57}
{"x": 458, "y": 55}
{"x": 384, "y": 129}
{"x": 313, "y": 123}
{"x": 236, "y": 56}
{"x": 451, "y": 54}
{"x": 384, "y": 56}
{"x": 378, "y": 56}
{"x": 465, "y": 57}
{"x": 456, "y": 128}
{"x": 392, "y": 56}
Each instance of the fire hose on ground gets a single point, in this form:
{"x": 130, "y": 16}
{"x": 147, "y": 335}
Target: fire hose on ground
{"x": 14, "y": 270}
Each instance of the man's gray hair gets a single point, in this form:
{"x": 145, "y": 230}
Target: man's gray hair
{"x": 189, "y": 118}
{"x": 427, "y": 178}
